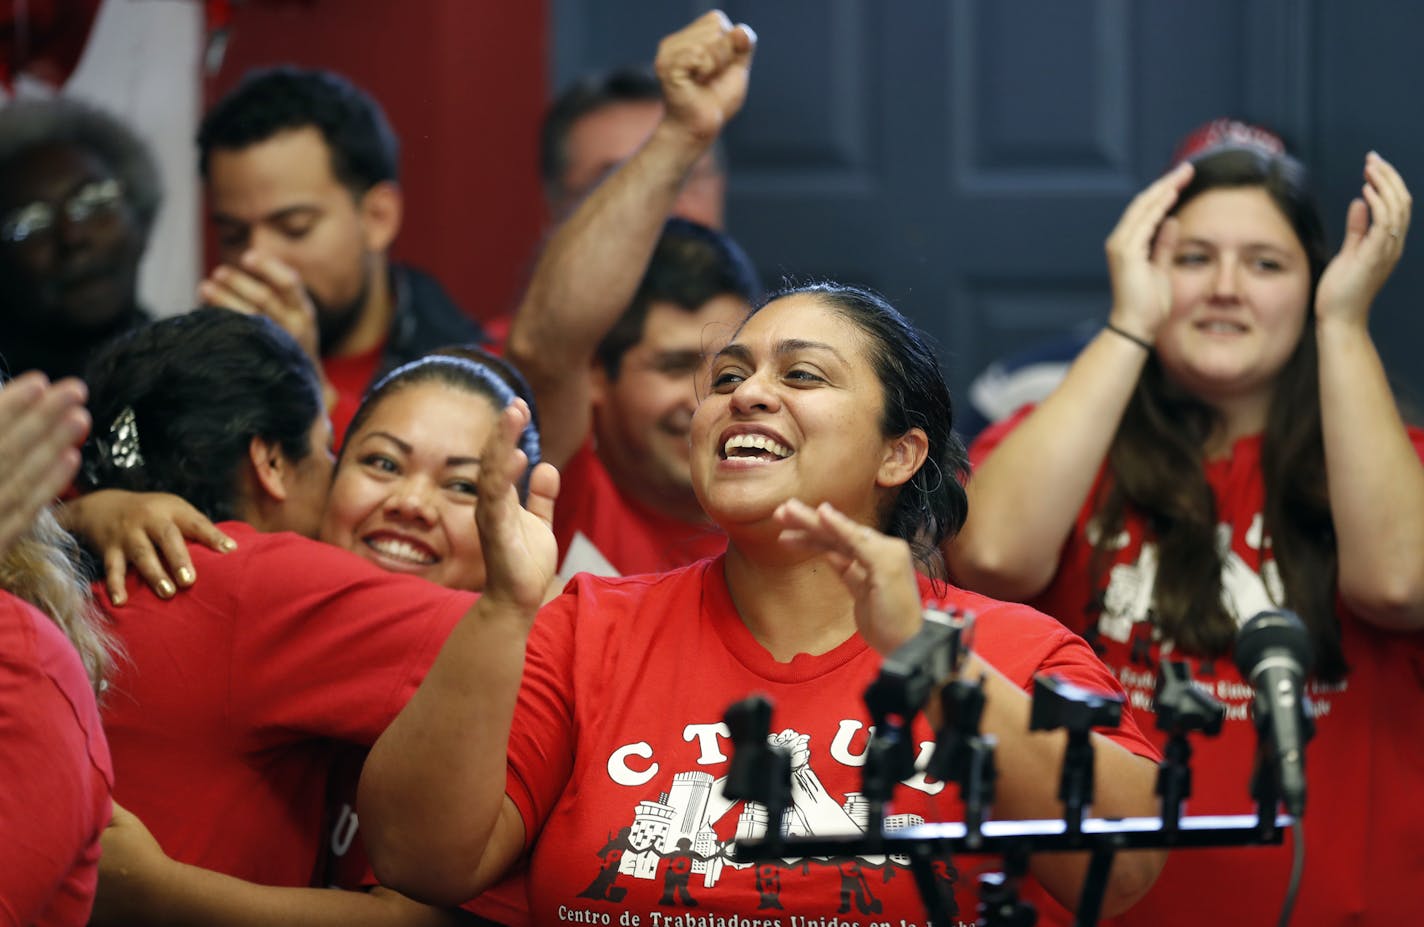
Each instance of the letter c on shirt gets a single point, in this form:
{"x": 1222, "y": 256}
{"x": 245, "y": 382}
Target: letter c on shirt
{"x": 619, "y": 770}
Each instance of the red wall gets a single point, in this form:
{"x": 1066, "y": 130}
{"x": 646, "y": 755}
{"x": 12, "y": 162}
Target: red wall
{"x": 464, "y": 85}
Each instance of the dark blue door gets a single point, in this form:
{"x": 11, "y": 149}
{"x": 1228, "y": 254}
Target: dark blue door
{"x": 969, "y": 157}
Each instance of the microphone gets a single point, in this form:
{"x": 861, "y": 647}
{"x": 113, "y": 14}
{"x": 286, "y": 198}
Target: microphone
{"x": 1274, "y": 655}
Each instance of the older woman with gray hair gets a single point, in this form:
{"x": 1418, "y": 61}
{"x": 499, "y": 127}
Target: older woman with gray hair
{"x": 79, "y": 191}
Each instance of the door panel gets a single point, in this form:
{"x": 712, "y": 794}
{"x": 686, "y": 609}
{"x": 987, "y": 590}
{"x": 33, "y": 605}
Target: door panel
{"x": 968, "y": 158}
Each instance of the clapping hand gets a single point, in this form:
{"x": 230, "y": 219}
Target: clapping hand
{"x": 1139, "y": 252}
{"x": 41, "y": 428}
{"x": 1375, "y": 227}
{"x": 877, "y": 569}
{"x": 518, "y": 541}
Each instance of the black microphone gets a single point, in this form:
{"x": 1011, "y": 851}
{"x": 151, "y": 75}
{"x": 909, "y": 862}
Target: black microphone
{"x": 1274, "y": 655}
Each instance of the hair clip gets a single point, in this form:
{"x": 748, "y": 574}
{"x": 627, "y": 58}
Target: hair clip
{"x": 121, "y": 450}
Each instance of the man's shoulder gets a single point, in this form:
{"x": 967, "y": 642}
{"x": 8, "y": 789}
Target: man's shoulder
{"x": 426, "y": 317}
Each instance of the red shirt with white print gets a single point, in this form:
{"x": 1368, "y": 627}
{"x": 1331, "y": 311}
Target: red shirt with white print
{"x": 618, "y": 753}
{"x": 1364, "y": 857}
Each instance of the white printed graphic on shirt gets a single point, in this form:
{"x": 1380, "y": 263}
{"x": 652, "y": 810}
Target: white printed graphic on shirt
{"x": 1244, "y": 592}
{"x": 674, "y": 838}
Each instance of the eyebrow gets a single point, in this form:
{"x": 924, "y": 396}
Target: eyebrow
{"x": 407, "y": 448}
{"x": 289, "y": 213}
{"x": 741, "y": 352}
{"x": 1250, "y": 245}
{"x": 679, "y": 356}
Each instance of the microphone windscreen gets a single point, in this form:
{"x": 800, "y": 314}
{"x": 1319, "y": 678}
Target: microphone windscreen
{"x": 1278, "y": 630}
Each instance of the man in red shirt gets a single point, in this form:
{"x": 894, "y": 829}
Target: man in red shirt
{"x": 611, "y": 359}
{"x": 302, "y": 184}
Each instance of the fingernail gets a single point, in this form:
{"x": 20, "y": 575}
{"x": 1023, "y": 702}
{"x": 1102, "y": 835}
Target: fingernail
{"x": 165, "y": 589}
{"x": 185, "y": 576}
{"x": 228, "y": 544}
{"x": 118, "y": 598}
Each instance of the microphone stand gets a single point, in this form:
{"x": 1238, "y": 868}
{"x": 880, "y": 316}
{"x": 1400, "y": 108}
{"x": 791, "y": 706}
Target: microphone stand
{"x": 1181, "y": 709}
{"x": 762, "y": 773}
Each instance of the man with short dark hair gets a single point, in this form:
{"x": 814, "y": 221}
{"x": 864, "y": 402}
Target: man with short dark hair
{"x": 628, "y": 506}
{"x": 301, "y": 172}
{"x": 78, "y": 195}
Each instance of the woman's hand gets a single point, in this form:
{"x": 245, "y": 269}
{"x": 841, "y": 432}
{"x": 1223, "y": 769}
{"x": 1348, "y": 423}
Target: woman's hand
{"x": 520, "y": 553}
{"x": 1140, "y": 253}
{"x": 1375, "y": 227}
{"x": 878, "y": 569}
{"x": 146, "y": 530}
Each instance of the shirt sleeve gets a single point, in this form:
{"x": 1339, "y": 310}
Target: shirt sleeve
{"x": 54, "y": 784}
{"x": 991, "y": 437}
{"x": 1023, "y": 643}
{"x": 542, "y": 737}
{"x": 1072, "y": 659}
{"x": 1416, "y": 437}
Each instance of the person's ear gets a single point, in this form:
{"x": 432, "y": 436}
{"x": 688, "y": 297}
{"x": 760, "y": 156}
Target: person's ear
{"x": 600, "y": 386}
{"x": 904, "y": 456}
{"x": 271, "y": 471}
{"x": 381, "y": 208}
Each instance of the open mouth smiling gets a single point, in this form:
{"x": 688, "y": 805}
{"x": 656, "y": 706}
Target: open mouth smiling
{"x": 754, "y": 446}
{"x": 401, "y": 550}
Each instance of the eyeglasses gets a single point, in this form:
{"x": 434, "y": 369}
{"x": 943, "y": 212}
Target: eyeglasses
{"x": 95, "y": 199}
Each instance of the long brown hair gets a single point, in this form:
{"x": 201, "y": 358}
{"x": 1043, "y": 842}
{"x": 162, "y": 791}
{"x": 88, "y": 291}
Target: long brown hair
{"x": 1158, "y": 473}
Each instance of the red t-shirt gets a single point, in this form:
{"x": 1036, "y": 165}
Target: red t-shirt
{"x": 226, "y": 715}
{"x": 55, "y": 775}
{"x": 603, "y": 532}
{"x": 1364, "y": 858}
{"x": 350, "y": 376}
{"x": 618, "y": 752}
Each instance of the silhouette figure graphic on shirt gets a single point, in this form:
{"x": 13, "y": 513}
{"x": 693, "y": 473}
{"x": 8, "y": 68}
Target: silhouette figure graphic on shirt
{"x": 679, "y": 873}
{"x": 602, "y": 888}
{"x": 855, "y": 885}
{"x": 768, "y": 886}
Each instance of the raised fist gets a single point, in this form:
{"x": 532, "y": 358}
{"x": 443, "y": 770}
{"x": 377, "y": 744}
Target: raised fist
{"x": 704, "y": 69}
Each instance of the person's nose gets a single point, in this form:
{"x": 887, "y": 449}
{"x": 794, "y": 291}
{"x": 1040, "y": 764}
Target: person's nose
{"x": 757, "y": 393}
{"x": 1226, "y": 285}
{"x": 413, "y": 499}
{"x": 73, "y": 233}
{"x": 267, "y": 241}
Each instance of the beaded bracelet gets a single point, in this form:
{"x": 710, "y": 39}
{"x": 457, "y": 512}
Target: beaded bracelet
{"x": 1140, "y": 342}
